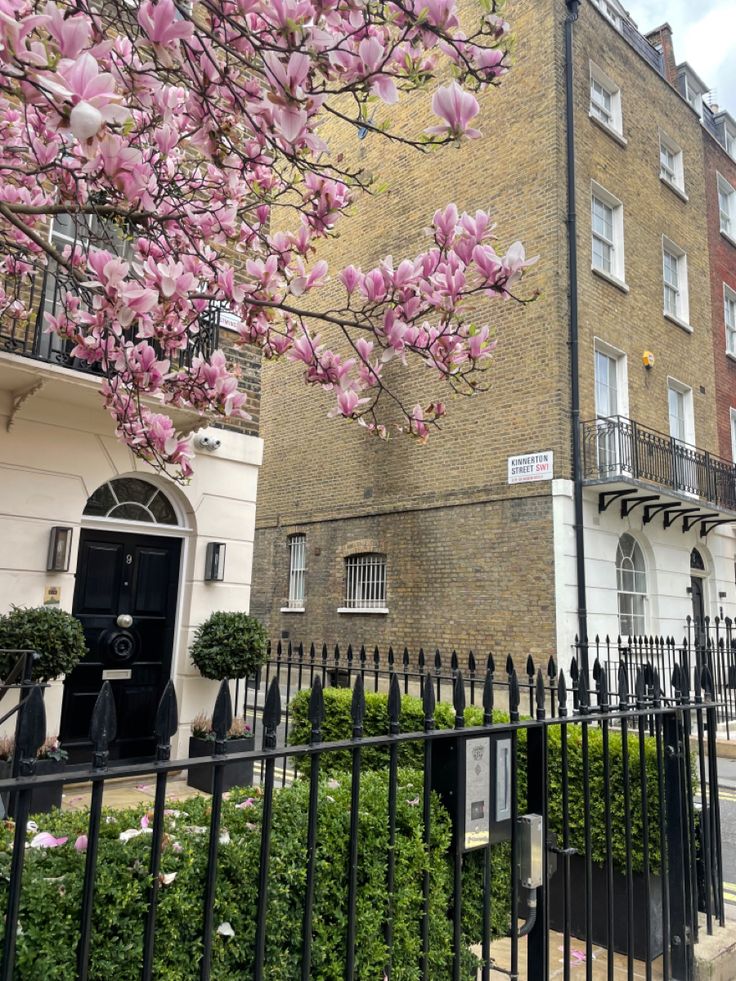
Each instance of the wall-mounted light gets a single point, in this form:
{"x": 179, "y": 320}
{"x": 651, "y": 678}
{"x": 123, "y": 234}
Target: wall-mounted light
{"x": 60, "y": 550}
{"x": 214, "y": 566}
{"x": 689, "y": 590}
{"x": 722, "y": 595}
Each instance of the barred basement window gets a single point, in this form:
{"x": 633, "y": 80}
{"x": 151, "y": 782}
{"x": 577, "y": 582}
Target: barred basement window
{"x": 365, "y": 581}
{"x": 297, "y": 570}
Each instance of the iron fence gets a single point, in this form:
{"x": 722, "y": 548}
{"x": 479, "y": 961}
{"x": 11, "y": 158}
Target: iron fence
{"x": 654, "y": 828}
{"x": 710, "y": 641}
{"x": 617, "y": 446}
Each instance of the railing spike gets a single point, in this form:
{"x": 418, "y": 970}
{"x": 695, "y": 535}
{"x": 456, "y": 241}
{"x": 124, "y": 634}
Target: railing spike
{"x": 316, "y": 708}
{"x": 551, "y": 668}
{"x": 357, "y": 707}
{"x": 640, "y": 689}
{"x": 428, "y": 703}
{"x": 488, "y": 698}
{"x": 458, "y": 700}
{"x": 167, "y": 718}
{"x": 222, "y": 714}
{"x": 603, "y": 691}
{"x": 32, "y": 725}
{"x": 541, "y": 692}
{"x": 530, "y": 669}
{"x": 394, "y": 705}
{"x": 656, "y": 689}
{"x": 562, "y": 694}
{"x": 509, "y": 664}
{"x": 454, "y": 661}
{"x": 437, "y": 661}
{"x": 390, "y": 656}
{"x": 405, "y": 657}
{"x": 623, "y": 686}
{"x": 513, "y": 695}
{"x": 272, "y": 708}
{"x": 676, "y": 677}
{"x": 708, "y": 683}
{"x": 376, "y": 656}
{"x": 421, "y": 658}
{"x": 574, "y": 670}
{"x": 103, "y": 727}
{"x": 324, "y": 653}
{"x": 491, "y": 663}
{"x": 583, "y": 692}
{"x": 471, "y": 663}
{"x": 596, "y": 669}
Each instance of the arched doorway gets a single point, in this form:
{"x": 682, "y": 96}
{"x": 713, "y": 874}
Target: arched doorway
{"x": 125, "y": 596}
{"x": 698, "y": 576}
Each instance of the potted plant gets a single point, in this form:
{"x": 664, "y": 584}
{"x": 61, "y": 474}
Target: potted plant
{"x": 229, "y": 646}
{"x": 202, "y": 743}
{"x": 50, "y": 758}
{"x": 55, "y": 635}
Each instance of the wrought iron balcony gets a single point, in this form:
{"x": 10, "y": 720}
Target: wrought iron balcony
{"x": 41, "y": 294}
{"x": 617, "y": 448}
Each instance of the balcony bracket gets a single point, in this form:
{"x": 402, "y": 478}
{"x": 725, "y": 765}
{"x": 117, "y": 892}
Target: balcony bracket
{"x": 22, "y": 396}
{"x": 606, "y": 498}
{"x": 709, "y": 524}
{"x": 669, "y": 518}
{"x": 689, "y": 523}
{"x": 629, "y": 503}
{"x": 652, "y": 510}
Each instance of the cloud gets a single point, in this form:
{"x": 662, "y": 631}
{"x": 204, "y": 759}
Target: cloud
{"x": 704, "y": 35}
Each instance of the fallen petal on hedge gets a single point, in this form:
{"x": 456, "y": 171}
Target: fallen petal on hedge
{"x": 225, "y": 930}
{"x": 45, "y": 840}
{"x": 166, "y": 878}
{"x": 130, "y": 833}
{"x": 81, "y": 843}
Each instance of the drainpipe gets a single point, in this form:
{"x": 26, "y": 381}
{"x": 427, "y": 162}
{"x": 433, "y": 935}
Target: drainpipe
{"x": 572, "y": 15}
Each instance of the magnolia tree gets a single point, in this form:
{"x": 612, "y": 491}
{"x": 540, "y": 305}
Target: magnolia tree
{"x": 180, "y": 151}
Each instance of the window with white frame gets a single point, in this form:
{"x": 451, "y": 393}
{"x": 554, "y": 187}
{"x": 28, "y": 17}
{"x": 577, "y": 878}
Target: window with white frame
{"x": 631, "y": 581}
{"x": 607, "y": 223}
{"x": 729, "y": 317}
{"x": 365, "y": 581}
{"x": 605, "y": 100}
{"x": 733, "y": 434}
{"x": 609, "y": 12}
{"x": 674, "y": 271}
{"x": 611, "y": 402}
{"x": 670, "y": 163}
{"x": 727, "y": 207}
{"x": 680, "y": 408}
{"x": 297, "y": 570}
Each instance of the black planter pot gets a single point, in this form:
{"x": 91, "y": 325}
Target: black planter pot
{"x": 42, "y": 798}
{"x": 600, "y": 908}
{"x": 238, "y": 774}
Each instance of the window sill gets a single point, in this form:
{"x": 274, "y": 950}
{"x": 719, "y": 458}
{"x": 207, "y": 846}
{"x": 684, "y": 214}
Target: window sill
{"x": 676, "y": 320}
{"x": 613, "y": 133}
{"x": 613, "y": 280}
{"x": 381, "y": 610}
{"x": 292, "y": 609}
{"x": 729, "y": 238}
{"x": 731, "y": 356}
{"x": 674, "y": 188}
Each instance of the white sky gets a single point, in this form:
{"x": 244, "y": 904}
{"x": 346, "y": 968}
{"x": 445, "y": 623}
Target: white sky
{"x": 704, "y": 34}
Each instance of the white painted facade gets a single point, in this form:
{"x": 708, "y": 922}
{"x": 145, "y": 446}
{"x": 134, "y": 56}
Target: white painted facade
{"x": 57, "y": 446}
{"x": 667, "y": 562}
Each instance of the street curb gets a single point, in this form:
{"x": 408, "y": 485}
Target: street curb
{"x": 715, "y": 956}
{"x": 725, "y": 749}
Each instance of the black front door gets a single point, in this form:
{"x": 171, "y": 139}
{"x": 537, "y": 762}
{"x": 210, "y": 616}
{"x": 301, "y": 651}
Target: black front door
{"x": 122, "y": 576}
{"x": 696, "y": 591}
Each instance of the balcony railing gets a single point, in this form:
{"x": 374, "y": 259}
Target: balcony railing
{"x": 42, "y": 294}
{"x": 619, "y": 447}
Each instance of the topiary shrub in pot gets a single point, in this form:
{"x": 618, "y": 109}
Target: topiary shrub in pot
{"x": 55, "y": 635}
{"x": 50, "y": 758}
{"x": 202, "y": 743}
{"x": 226, "y": 647}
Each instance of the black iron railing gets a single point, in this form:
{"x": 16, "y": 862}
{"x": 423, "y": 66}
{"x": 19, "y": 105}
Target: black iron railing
{"x": 620, "y": 447}
{"x": 375, "y": 866}
{"x": 42, "y": 295}
{"x": 708, "y": 641}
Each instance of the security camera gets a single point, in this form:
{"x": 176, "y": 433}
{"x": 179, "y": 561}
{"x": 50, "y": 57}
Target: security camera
{"x": 210, "y": 443}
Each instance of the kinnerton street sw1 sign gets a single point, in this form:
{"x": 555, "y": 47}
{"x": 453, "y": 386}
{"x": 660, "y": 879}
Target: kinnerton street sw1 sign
{"x": 530, "y": 466}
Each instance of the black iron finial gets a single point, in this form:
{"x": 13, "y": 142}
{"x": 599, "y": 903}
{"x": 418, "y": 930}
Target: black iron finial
{"x": 488, "y": 699}
{"x": 394, "y": 705}
{"x": 458, "y": 700}
{"x": 540, "y": 694}
{"x": 103, "y": 727}
{"x": 357, "y": 707}
{"x": 562, "y": 694}
{"x": 513, "y": 696}
{"x": 222, "y": 716}
{"x": 428, "y": 703}
{"x": 316, "y": 710}
{"x": 167, "y": 721}
{"x": 271, "y": 714}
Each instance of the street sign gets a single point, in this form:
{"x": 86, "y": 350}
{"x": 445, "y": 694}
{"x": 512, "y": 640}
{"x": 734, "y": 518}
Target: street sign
{"x": 530, "y": 467}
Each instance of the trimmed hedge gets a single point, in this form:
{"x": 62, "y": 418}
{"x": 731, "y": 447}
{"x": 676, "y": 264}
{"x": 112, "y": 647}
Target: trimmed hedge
{"x": 337, "y": 726}
{"x": 54, "y": 634}
{"x": 52, "y": 887}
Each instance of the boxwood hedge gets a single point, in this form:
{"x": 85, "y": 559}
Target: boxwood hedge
{"x": 337, "y": 725}
{"x": 52, "y": 887}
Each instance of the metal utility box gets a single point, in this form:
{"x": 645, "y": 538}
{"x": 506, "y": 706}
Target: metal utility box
{"x": 473, "y": 778}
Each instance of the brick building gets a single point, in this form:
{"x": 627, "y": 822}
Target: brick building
{"x": 609, "y": 378}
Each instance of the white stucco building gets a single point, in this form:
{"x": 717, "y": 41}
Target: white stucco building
{"x": 138, "y": 544}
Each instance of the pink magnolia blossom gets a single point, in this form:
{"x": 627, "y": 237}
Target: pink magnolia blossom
{"x": 46, "y": 840}
{"x": 457, "y": 108}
